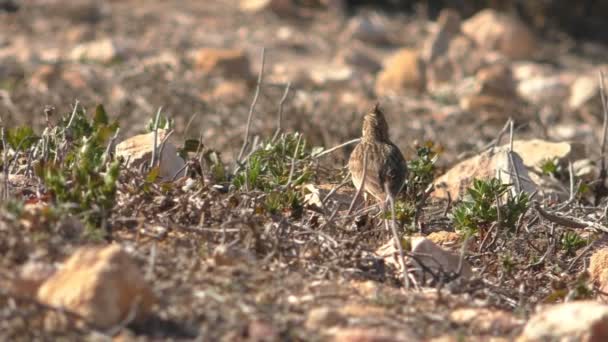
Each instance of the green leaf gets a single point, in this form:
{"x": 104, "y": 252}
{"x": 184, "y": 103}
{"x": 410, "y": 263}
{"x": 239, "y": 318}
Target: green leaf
{"x": 21, "y": 137}
{"x": 101, "y": 117}
{"x": 153, "y": 174}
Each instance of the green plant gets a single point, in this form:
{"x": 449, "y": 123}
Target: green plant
{"x": 77, "y": 172}
{"x": 571, "y": 242}
{"x": 507, "y": 263}
{"x": 421, "y": 171}
{"x": 404, "y": 212}
{"x": 164, "y": 122}
{"x": 481, "y": 207}
{"x": 282, "y": 201}
{"x": 270, "y": 166}
{"x": 276, "y": 164}
{"x": 550, "y": 167}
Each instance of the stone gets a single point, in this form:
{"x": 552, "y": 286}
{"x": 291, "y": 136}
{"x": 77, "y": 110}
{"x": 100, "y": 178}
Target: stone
{"x": 367, "y": 29}
{"x": 328, "y": 75}
{"x": 494, "y": 97}
{"x": 448, "y": 27}
{"x": 486, "y": 320}
{"x": 427, "y": 253}
{"x": 355, "y": 310}
{"x": 30, "y": 277}
{"x": 228, "y": 255}
{"x": 534, "y": 152}
{"x": 230, "y": 63}
{"x": 486, "y": 165}
{"x": 586, "y": 169}
{"x": 446, "y": 239}
{"x": 545, "y": 90}
{"x": 524, "y": 70}
{"x": 138, "y": 150}
{"x": 323, "y": 317}
{"x": 585, "y": 321}
{"x": 101, "y": 51}
{"x": 437, "y": 258}
{"x": 501, "y": 32}
{"x": 279, "y": 7}
{"x": 228, "y": 92}
{"x": 598, "y": 268}
{"x": 103, "y": 285}
{"x": 357, "y": 58}
{"x": 402, "y": 72}
{"x": 42, "y": 77}
{"x": 584, "y": 89}
{"x": 361, "y": 334}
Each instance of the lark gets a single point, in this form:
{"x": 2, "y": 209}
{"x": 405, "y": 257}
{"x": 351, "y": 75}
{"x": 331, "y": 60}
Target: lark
{"x": 386, "y": 167}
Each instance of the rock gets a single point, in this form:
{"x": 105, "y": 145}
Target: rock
{"x": 228, "y": 255}
{"x": 486, "y": 165}
{"x": 485, "y": 320}
{"x": 524, "y": 70}
{"x": 228, "y": 92}
{"x": 598, "y": 268}
{"x": 448, "y": 27}
{"x": 101, "y": 51}
{"x": 497, "y": 31}
{"x": 42, "y": 77}
{"x": 138, "y": 150}
{"x": 280, "y": 7}
{"x": 584, "y": 89}
{"x": 573, "y": 321}
{"x": 356, "y": 334}
{"x": 29, "y": 278}
{"x": 357, "y": 311}
{"x": 402, "y": 72}
{"x": 428, "y": 253}
{"x": 231, "y": 63}
{"x": 259, "y": 331}
{"x": 534, "y": 152}
{"x": 357, "y": 58}
{"x": 494, "y": 97}
{"x": 101, "y": 284}
{"x": 436, "y": 258}
{"x": 549, "y": 90}
{"x": 328, "y": 75}
{"x": 75, "y": 77}
{"x": 323, "y": 317}
{"x": 446, "y": 239}
{"x": 586, "y": 169}
{"x": 367, "y": 29}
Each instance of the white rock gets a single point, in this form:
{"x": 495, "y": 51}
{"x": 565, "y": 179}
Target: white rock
{"x": 427, "y": 253}
{"x": 486, "y": 165}
{"x": 367, "y": 29}
{"x": 102, "y": 51}
{"x": 138, "y": 149}
{"x": 583, "y": 89}
{"x": 572, "y": 321}
{"x": 544, "y": 90}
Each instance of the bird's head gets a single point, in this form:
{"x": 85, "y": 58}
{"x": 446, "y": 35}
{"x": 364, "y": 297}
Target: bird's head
{"x": 375, "y": 127}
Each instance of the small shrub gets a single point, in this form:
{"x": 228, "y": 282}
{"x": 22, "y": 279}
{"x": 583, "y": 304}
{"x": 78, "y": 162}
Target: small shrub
{"x": 269, "y": 167}
{"x": 421, "y": 171}
{"x": 78, "y": 173}
{"x": 480, "y": 209}
{"x": 571, "y": 242}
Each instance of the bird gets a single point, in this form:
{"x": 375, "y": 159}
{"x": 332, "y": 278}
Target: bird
{"x": 386, "y": 166}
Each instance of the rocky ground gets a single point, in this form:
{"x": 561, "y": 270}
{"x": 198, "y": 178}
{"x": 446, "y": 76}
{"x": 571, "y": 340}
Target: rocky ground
{"x": 166, "y": 226}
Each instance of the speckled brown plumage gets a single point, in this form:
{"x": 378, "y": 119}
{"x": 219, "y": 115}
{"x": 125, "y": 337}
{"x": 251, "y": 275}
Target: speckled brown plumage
{"x": 385, "y": 163}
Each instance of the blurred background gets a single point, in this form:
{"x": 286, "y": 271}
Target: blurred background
{"x": 449, "y": 71}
